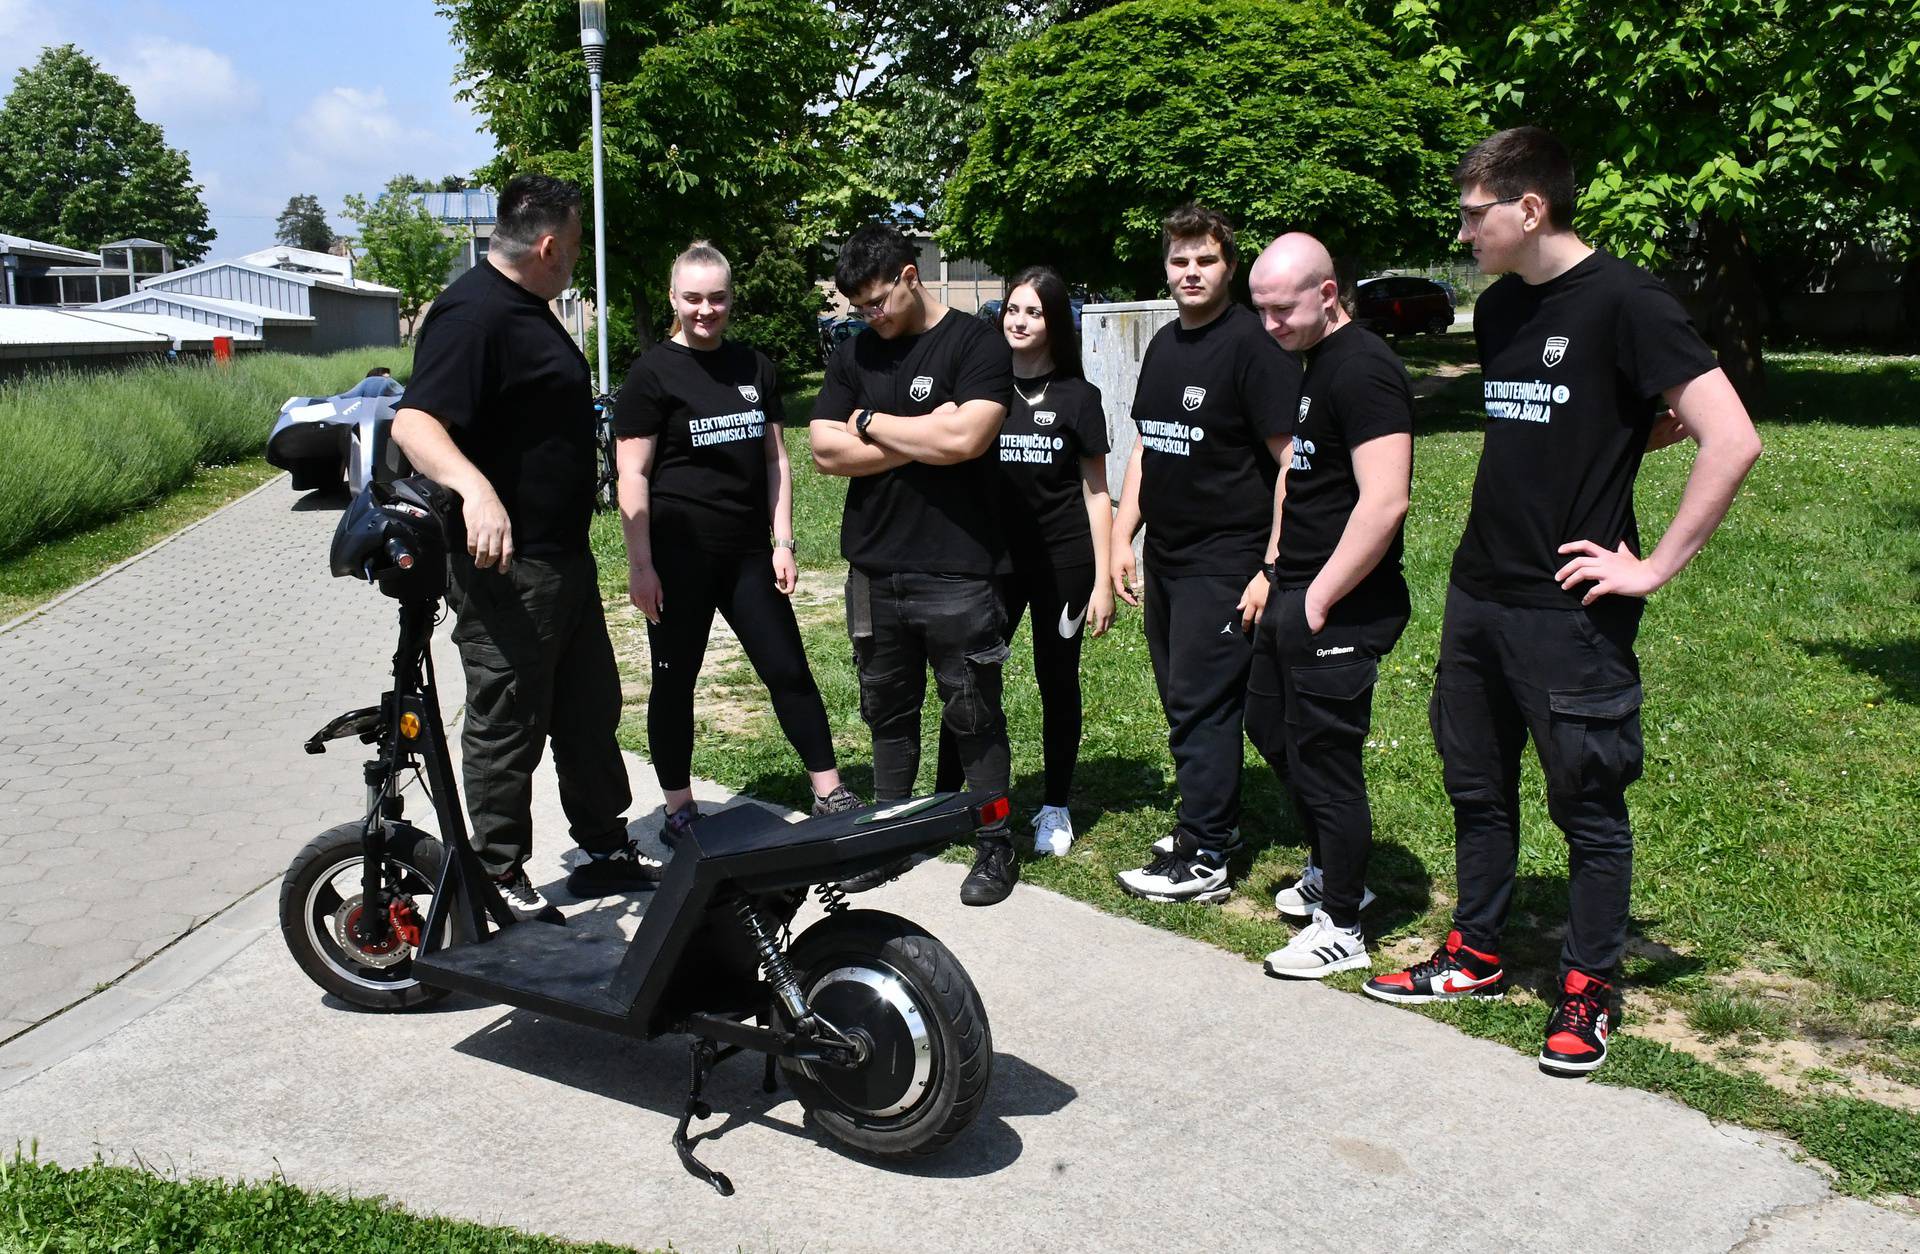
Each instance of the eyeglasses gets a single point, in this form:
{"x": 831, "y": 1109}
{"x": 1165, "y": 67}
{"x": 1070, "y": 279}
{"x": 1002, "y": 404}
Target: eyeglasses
{"x": 1470, "y": 215}
{"x": 879, "y": 302}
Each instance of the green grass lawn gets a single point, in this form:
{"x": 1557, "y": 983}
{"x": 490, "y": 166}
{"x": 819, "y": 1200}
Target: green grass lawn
{"x": 44, "y": 1207}
{"x": 1775, "y": 822}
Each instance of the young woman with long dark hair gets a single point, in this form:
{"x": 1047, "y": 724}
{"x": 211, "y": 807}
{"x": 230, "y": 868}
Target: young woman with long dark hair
{"x": 1057, "y": 516}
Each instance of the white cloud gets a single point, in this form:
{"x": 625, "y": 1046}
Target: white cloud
{"x": 348, "y": 122}
{"x": 26, "y": 27}
{"x": 180, "y": 82}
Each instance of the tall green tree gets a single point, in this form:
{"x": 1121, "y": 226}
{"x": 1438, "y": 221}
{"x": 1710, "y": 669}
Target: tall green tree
{"x": 1283, "y": 115}
{"x": 303, "y": 224}
{"x": 80, "y": 167}
{"x": 709, "y": 132}
{"x": 1727, "y": 129}
{"x": 403, "y": 246}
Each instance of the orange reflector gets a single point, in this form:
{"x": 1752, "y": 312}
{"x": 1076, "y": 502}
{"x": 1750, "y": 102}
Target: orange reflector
{"x": 404, "y": 561}
{"x": 410, "y": 725}
{"x": 994, "y": 811}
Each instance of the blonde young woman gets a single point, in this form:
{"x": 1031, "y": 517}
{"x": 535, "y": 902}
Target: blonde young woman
{"x": 706, "y": 500}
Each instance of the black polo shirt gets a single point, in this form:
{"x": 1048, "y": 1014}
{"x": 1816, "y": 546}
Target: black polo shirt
{"x": 496, "y": 366}
{"x": 918, "y": 518}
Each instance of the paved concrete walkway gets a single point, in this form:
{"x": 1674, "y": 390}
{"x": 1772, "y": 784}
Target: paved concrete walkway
{"x": 1149, "y": 1093}
{"x": 150, "y": 729}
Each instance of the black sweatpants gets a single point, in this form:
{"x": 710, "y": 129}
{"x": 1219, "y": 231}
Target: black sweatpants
{"x": 693, "y": 587}
{"x": 1200, "y": 659}
{"x": 902, "y": 624}
{"x": 539, "y": 667}
{"x": 1569, "y": 679}
{"x": 1309, "y": 708}
{"x": 1059, "y": 597}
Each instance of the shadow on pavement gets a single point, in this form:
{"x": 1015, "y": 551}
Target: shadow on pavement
{"x": 653, "y": 1076}
{"x": 330, "y": 499}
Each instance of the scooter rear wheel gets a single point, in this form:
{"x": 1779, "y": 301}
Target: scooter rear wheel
{"x": 319, "y": 901}
{"x": 881, "y": 979}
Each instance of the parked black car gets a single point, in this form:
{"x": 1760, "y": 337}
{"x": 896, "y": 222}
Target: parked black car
{"x": 1402, "y": 305}
{"x": 990, "y": 309}
{"x": 834, "y": 331}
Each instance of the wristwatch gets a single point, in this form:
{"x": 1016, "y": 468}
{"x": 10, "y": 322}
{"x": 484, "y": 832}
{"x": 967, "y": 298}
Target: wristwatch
{"x": 861, "y": 422}
{"x": 788, "y": 545}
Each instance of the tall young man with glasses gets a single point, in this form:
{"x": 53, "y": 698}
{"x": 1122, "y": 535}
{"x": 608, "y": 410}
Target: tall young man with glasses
{"x": 1578, "y": 353}
{"x": 1214, "y": 405}
{"x": 908, "y": 407}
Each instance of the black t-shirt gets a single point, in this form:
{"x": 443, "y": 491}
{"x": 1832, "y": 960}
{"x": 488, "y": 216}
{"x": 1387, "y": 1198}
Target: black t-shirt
{"x": 1207, "y": 402}
{"x": 916, "y": 517}
{"x": 1037, "y": 476}
{"x": 709, "y": 413}
{"x": 1355, "y": 390}
{"x": 495, "y": 364}
{"x": 1569, "y": 368}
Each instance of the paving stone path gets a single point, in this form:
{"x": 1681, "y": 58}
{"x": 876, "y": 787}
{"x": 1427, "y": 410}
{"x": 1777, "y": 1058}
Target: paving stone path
{"x": 150, "y": 729}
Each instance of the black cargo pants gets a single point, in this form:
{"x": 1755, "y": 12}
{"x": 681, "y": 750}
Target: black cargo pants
{"x": 1309, "y": 708}
{"x": 539, "y": 667}
{"x": 1570, "y": 680}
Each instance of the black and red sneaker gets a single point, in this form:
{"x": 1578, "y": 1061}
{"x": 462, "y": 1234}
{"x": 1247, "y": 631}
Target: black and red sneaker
{"x": 1577, "y": 1032}
{"x": 1454, "y": 972}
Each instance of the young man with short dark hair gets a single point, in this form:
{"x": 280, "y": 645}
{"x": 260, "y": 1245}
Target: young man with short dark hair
{"x": 500, "y": 410}
{"x": 1578, "y": 352}
{"x": 908, "y": 408}
{"x": 1339, "y": 601}
{"x": 1214, "y": 407}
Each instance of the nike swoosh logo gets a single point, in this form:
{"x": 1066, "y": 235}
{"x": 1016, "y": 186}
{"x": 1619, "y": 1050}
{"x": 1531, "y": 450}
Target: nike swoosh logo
{"x": 1455, "y": 982}
{"x": 1069, "y": 626}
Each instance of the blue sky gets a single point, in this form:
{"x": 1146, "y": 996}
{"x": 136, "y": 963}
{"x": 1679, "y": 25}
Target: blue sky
{"x": 272, "y": 97}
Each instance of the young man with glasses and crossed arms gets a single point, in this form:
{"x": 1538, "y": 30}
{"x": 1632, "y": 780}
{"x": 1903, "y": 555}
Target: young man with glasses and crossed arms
{"x": 1579, "y": 353}
{"x": 908, "y": 409}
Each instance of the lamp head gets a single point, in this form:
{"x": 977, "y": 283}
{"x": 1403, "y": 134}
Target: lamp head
{"x": 593, "y": 23}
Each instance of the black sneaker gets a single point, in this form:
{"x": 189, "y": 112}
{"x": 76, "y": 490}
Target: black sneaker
{"x": 995, "y": 872}
{"x": 679, "y": 823}
{"x": 840, "y": 801}
{"x": 1577, "y": 1032}
{"x": 867, "y": 881}
{"x": 623, "y": 870}
{"x": 524, "y": 900}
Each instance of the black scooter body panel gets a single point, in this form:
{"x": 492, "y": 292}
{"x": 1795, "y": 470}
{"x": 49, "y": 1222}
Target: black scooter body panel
{"x": 691, "y": 954}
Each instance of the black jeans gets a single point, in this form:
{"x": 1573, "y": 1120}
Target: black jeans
{"x": 901, "y": 625}
{"x": 1309, "y": 708}
{"x": 694, "y": 586}
{"x": 1200, "y": 658}
{"x": 533, "y": 643}
{"x": 1569, "y": 679}
{"x": 1059, "y": 597}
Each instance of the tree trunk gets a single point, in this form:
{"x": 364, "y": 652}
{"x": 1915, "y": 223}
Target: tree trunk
{"x": 1736, "y": 306}
{"x": 1910, "y": 299}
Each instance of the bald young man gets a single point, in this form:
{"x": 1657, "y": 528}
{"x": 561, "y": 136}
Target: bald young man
{"x": 1339, "y": 600}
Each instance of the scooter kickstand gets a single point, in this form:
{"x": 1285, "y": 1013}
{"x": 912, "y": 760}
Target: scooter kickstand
{"x": 702, "y": 1061}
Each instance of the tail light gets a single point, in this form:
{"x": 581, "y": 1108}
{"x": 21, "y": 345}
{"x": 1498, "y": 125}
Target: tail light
{"x": 992, "y": 812}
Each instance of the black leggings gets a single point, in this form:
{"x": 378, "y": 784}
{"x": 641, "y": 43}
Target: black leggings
{"x": 693, "y": 586}
{"x": 1059, "y": 598}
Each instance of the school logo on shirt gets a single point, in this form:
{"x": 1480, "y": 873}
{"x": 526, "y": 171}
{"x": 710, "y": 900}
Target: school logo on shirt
{"x": 751, "y": 392}
{"x": 922, "y": 387}
{"x": 1555, "y": 350}
{"x": 1043, "y": 417}
{"x": 1191, "y": 398}
{"x": 1306, "y": 403}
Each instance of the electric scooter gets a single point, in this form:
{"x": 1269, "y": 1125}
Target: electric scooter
{"x": 874, "y": 1023}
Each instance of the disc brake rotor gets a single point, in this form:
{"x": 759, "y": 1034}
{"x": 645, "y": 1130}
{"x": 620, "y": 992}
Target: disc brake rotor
{"x": 387, "y": 953}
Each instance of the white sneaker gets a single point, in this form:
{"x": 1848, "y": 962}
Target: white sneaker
{"x": 1318, "y": 950}
{"x": 1165, "y": 843}
{"x": 1052, "y": 831}
{"x": 1300, "y": 900}
{"x": 1172, "y": 877}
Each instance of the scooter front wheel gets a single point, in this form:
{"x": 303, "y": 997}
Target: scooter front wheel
{"x": 929, "y": 1050}
{"x": 320, "y": 906}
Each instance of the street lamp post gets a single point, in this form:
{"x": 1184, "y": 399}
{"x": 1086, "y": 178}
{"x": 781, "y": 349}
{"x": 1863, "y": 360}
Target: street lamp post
{"x": 593, "y": 41}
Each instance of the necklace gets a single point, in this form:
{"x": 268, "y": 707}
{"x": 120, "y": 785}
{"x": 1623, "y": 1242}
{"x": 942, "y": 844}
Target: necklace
{"x": 1037, "y": 397}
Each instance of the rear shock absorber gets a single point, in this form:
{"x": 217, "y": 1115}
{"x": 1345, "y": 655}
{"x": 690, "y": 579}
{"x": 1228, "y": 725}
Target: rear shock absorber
{"x": 779, "y": 970}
